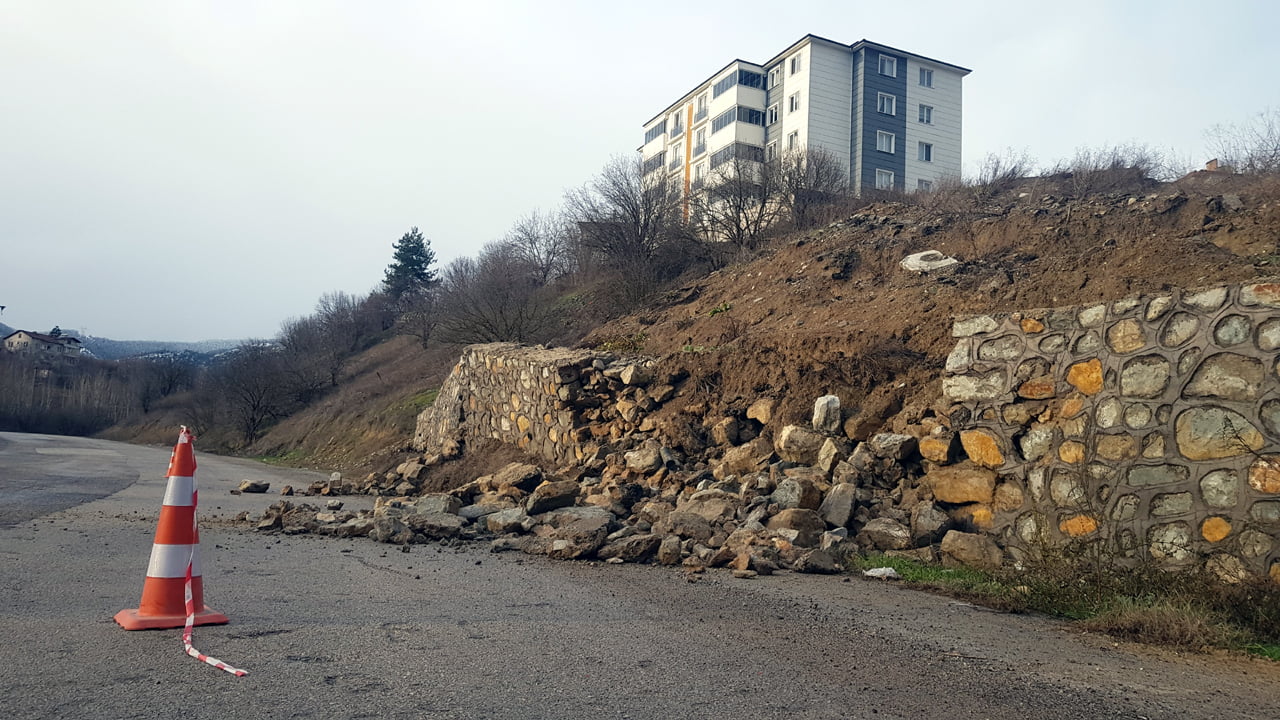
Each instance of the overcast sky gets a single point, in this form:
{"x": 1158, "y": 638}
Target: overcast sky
{"x": 177, "y": 170}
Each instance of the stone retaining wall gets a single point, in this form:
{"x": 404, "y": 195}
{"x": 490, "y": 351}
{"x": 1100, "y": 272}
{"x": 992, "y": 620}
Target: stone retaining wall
{"x": 1152, "y": 423}
{"x": 560, "y": 404}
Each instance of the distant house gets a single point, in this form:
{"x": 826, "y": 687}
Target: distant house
{"x": 26, "y": 341}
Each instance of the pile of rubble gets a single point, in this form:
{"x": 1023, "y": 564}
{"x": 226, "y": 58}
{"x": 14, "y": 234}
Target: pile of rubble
{"x": 800, "y": 502}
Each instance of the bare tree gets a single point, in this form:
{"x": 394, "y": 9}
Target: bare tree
{"x": 1253, "y": 147}
{"x": 251, "y": 386}
{"x": 739, "y": 202}
{"x": 420, "y": 317}
{"x": 493, "y": 297}
{"x": 626, "y": 216}
{"x": 542, "y": 242}
{"x": 812, "y": 181}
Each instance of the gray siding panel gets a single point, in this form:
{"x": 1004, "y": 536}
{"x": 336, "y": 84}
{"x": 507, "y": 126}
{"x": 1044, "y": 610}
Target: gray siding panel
{"x": 873, "y": 121}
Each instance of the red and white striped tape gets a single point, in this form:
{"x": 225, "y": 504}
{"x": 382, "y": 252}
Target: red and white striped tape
{"x": 188, "y": 594}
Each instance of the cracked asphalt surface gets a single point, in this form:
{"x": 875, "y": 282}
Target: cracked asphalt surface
{"x": 333, "y": 628}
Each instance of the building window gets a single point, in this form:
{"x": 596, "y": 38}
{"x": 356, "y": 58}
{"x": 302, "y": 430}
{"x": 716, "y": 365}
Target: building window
{"x": 775, "y": 76}
{"x": 653, "y": 163}
{"x": 887, "y": 104}
{"x": 724, "y": 119}
{"x": 795, "y": 64}
{"x": 924, "y": 185}
{"x": 885, "y": 141}
{"x": 772, "y": 114}
{"x": 699, "y": 176}
{"x": 700, "y": 111}
{"x": 676, "y": 157}
{"x": 926, "y": 77}
{"x": 926, "y": 152}
{"x": 926, "y": 114}
{"x": 753, "y": 153}
{"x": 700, "y": 142}
{"x": 655, "y": 132}
{"x": 740, "y": 77}
{"x": 676, "y": 124}
{"x": 793, "y": 140}
{"x": 771, "y": 151}
{"x": 884, "y": 179}
{"x": 888, "y": 66}
{"x": 793, "y": 103}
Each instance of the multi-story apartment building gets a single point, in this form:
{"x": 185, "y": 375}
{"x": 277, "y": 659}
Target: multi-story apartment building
{"x": 890, "y": 117}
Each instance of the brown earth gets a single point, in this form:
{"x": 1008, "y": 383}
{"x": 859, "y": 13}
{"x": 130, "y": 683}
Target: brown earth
{"x": 831, "y": 311}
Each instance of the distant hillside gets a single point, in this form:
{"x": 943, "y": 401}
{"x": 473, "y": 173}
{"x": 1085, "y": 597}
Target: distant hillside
{"x": 109, "y": 349}
{"x": 5, "y": 330}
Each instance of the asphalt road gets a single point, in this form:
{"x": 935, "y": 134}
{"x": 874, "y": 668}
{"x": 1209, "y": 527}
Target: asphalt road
{"x": 351, "y": 629}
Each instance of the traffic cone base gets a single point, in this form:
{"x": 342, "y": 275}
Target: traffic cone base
{"x": 170, "y": 611}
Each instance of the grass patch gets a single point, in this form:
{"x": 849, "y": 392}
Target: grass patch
{"x": 1186, "y": 609}
{"x": 290, "y": 458}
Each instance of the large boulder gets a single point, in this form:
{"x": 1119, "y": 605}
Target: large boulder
{"x": 634, "y": 548}
{"x": 550, "y": 496}
{"x": 885, "y": 534}
{"x": 578, "y": 539}
{"x": 715, "y": 506}
{"x": 798, "y": 444}
{"x": 929, "y": 523}
{"x": 437, "y": 525}
{"x": 837, "y": 507}
{"x": 801, "y": 526}
{"x": 970, "y": 549}
{"x": 511, "y": 520}
{"x": 797, "y": 493}
{"x": 826, "y": 414}
{"x": 963, "y": 483}
{"x": 685, "y": 525}
{"x": 438, "y": 503}
{"x": 644, "y": 460}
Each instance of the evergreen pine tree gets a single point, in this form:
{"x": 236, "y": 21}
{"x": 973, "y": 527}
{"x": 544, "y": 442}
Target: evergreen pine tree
{"x": 410, "y": 271}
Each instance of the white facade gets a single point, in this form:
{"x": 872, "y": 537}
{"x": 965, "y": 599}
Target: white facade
{"x": 818, "y": 94}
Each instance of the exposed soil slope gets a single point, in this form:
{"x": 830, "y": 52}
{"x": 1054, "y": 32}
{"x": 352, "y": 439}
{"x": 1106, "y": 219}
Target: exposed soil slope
{"x": 831, "y": 311}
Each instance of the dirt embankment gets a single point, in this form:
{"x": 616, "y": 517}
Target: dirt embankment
{"x": 831, "y": 311}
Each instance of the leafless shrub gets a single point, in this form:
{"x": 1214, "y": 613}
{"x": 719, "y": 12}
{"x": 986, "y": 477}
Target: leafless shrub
{"x": 814, "y": 186}
{"x": 739, "y": 203}
{"x": 1252, "y": 147}
{"x": 1001, "y": 172}
{"x": 1112, "y": 169}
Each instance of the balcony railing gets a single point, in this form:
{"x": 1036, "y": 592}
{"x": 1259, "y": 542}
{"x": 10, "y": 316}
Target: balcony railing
{"x": 698, "y": 183}
{"x": 677, "y": 131}
{"x": 699, "y": 149}
{"x": 674, "y": 164}
{"x": 699, "y": 115}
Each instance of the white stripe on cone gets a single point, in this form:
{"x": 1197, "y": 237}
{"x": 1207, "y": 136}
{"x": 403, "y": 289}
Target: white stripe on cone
{"x": 170, "y": 561}
{"x": 180, "y": 492}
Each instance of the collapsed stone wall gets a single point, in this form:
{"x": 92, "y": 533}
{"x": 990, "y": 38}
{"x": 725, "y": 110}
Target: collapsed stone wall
{"x": 1150, "y": 423}
{"x": 560, "y": 404}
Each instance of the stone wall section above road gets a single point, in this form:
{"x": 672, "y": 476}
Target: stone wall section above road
{"x": 1152, "y": 422}
{"x": 560, "y": 404}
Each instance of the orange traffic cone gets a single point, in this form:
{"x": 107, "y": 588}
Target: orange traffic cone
{"x": 175, "y": 551}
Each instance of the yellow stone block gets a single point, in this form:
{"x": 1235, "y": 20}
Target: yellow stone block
{"x": 523, "y": 423}
{"x": 515, "y": 401}
{"x": 1264, "y": 474}
{"x": 982, "y": 448}
{"x": 1071, "y": 452}
{"x": 1086, "y": 376}
{"x": 1072, "y": 407}
{"x": 1032, "y": 326}
{"x": 936, "y": 448}
{"x": 1215, "y": 529}
{"x": 1078, "y": 525}
{"x": 1275, "y": 572}
{"x": 982, "y": 517}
